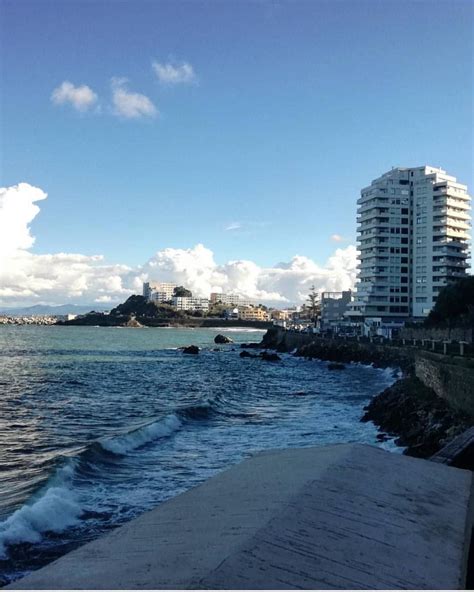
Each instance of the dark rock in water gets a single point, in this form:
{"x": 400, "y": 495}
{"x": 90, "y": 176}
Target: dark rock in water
{"x": 250, "y": 345}
{"x": 336, "y": 366}
{"x": 191, "y": 349}
{"x": 246, "y": 354}
{"x": 222, "y": 339}
{"x": 299, "y": 394}
{"x": 270, "y": 357}
{"x": 382, "y": 437}
{"x": 423, "y": 422}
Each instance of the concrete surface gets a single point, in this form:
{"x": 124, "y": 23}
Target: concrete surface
{"x": 343, "y": 516}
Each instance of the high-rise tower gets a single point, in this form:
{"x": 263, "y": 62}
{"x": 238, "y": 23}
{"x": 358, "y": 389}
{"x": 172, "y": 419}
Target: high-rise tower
{"x": 413, "y": 226}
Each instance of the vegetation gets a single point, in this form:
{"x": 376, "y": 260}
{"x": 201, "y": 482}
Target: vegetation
{"x": 182, "y": 292}
{"x": 314, "y": 305}
{"x": 455, "y": 305}
{"x": 139, "y": 307}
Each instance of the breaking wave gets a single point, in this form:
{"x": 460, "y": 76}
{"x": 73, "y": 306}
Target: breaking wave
{"x": 54, "y": 509}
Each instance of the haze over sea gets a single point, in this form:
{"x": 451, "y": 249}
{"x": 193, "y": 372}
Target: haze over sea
{"x": 100, "y": 424}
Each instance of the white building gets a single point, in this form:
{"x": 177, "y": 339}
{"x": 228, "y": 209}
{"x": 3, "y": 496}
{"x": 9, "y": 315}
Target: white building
{"x": 190, "y": 303}
{"x": 413, "y": 228}
{"x": 230, "y": 299}
{"x": 158, "y": 291}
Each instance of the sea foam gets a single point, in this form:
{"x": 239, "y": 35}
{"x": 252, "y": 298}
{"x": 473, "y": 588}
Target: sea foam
{"x": 141, "y": 436}
{"x": 55, "y": 509}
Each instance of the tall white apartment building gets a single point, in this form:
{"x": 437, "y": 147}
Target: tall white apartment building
{"x": 190, "y": 303}
{"x": 413, "y": 226}
{"x": 158, "y": 291}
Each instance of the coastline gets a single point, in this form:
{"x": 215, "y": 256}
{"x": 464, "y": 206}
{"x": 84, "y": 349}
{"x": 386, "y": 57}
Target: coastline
{"x": 408, "y": 410}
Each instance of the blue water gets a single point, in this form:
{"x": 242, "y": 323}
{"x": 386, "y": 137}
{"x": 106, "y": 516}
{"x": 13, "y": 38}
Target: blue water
{"x": 98, "y": 425}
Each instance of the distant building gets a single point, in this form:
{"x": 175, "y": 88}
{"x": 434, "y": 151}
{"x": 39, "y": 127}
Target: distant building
{"x": 279, "y": 315}
{"x": 251, "y": 313}
{"x": 158, "y": 291}
{"x": 230, "y": 299}
{"x": 413, "y": 240}
{"x": 190, "y": 303}
{"x": 333, "y": 307}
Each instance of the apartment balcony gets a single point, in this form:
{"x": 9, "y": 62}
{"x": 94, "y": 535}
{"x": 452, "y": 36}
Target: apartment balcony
{"x": 451, "y": 222}
{"x": 444, "y": 200}
{"x": 450, "y": 212}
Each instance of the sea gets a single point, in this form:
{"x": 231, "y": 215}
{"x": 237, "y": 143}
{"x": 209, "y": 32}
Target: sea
{"x": 98, "y": 425}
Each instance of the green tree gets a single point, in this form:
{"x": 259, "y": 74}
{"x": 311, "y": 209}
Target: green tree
{"x": 455, "y": 304}
{"x": 314, "y": 305}
{"x": 181, "y": 291}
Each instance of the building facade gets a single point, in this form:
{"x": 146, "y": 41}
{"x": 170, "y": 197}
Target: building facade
{"x": 230, "y": 299}
{"x": 334, "y": 306}
{"x": 413, "y": 227}
{"x": 253, "y": 313}
{"x": 190, "y": 303}
{"x": 158, "y": 291}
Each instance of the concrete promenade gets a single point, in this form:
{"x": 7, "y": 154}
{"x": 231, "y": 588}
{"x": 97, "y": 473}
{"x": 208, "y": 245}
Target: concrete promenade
{"x": 342, "y": 516}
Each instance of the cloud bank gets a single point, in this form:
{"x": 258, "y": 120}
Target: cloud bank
{"x": 28, "y": 278}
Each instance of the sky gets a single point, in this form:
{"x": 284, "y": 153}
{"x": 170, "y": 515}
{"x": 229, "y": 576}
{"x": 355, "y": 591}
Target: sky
{"x": 221, "y": 144}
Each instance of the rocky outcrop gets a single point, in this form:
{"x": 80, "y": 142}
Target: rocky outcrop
{"x": 191, "y": 349}
{"x": 246, "y": 354}
{"x": 423, "y": 422}
{"x": 270, "y": 357}
{"x": 222, "y": 339}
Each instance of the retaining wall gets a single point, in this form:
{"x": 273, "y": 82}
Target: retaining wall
{"x": 451, "y": 378}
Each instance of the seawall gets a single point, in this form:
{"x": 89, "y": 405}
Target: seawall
{"x": 346, "y": 516}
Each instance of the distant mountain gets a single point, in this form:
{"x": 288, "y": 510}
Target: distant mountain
{"x": 62, "y": 309}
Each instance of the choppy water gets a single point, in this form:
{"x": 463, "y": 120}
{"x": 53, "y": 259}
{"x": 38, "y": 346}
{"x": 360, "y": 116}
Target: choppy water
{"x": 100, "y": 424}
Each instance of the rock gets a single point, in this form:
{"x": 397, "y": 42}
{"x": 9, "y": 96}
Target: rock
{"x": 270, "y": 357}
{"x": 222, "y": 339}
{"x": 336, "y": 366}
{"x": 246, "y": 354}
{"x": 191, "y": 349}
{"x": 250, "y": 345}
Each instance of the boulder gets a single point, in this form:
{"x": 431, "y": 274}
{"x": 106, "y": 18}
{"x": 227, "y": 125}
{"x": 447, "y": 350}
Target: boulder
{"x": 191, "y": 349}
{"x": 336, "y": 366}
{"x": 222, "y": 339}
{"x": 246, "y": 354}
{"x": 270, "y": 357}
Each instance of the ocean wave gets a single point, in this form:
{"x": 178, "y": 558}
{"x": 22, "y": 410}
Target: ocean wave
{"x": 54, "y": 509}
{"x": 139, "y": 437}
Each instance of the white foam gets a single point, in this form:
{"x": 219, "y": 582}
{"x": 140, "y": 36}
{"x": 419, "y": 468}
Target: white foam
{"x": 139, "y": 437}
{"x": 56, "y": 509}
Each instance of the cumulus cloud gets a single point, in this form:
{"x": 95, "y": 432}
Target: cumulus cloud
{"x": 28, "y": 278}
{"x": 174, "y": 74}
{"x": 337, "y": 238}
{"x": 81, "y": 98}
{"x": 128, "y": 104}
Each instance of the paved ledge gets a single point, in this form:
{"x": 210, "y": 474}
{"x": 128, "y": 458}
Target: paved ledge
{"x": 343, "y": 516}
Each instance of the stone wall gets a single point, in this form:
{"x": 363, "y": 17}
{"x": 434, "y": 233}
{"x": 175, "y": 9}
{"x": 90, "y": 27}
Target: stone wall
{"x": 451, "y": 378}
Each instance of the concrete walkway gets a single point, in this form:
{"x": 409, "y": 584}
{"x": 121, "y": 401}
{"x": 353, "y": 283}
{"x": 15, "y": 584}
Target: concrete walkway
{"x": 343, "y": 516}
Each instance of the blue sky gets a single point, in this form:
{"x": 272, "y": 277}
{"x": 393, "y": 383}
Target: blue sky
{"x": 295, "y": 107}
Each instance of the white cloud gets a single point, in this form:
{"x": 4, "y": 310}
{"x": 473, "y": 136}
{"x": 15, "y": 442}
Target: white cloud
{"x": 128, "y": 104}
{"x": 233, "y": 226}
{"x": 27, "y": 278}
{"x": 179, "y": 74}
{"x": 80, "y": 97}
{"x": 337, "y": 238}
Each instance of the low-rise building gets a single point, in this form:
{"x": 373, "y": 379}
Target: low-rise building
{"x": 230, "y": 299}
{"x": 190, "y": 303}
{"x": 253, "y": 313}
{"x": 333, "y": 307}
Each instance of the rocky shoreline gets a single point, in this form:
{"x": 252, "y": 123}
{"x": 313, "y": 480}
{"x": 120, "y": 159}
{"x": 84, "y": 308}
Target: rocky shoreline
{"x": 408, "y": 410}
